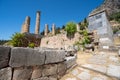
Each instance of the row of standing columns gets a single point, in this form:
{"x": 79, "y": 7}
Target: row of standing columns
{"x": 47, "y": 29}
{"x": 26, "y": 26}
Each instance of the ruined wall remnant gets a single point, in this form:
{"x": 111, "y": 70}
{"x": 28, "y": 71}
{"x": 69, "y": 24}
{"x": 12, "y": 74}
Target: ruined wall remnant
{"x": 18, "y": 63}
{"x": 59, "y": 41}
{"x": 37, "y": 27}
{"x": 53, "y": 29}
{"x": 26, "y": 25}
{"x": 98, "y": 22}
{"x": 46, "y": 29}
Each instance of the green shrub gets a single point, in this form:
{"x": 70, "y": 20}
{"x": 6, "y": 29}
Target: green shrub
{"x": 31, "y": 45}
{"x": 71, "y": 29}
{"x": 24, "y": 40}
{"x": 17, "y": 40}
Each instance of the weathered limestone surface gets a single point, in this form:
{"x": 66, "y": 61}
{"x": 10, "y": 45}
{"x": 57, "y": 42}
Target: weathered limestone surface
{"x": 84, "y": 76}
{"x": 4, "y": 56}
{"x": 49, "y": 70}
{"x": 61, "y": 69}
{"x": 53, "y": 29}
{"x": 46, "y": 29}
{"x": 70, "y": 61}
{"x": 37, "y": 72}
{"x": 98, "y": 59}
{"x": 114, "y": 70}
{"x": 26, "y": 25}
{"x": 22, "y": 73}
{"x": 54, "y": 56}
{"x": 37, "y": 27}
{"x": 59, "y": 41}
{"x": 42, "y": 78}
{"x": 33, "y": 64}
{"x": 6, "y": 73}
{"x": 26, "y": 57}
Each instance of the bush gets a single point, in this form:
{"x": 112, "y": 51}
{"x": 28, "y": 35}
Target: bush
{"x": 17, "y": 40}
{"x": 31, "y": 45}
{"x": 25, "y": 40}
{"x": 71, "y": 29}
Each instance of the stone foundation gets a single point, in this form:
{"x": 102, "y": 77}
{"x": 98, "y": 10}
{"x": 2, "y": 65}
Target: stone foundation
{"x": 19, "y": 63}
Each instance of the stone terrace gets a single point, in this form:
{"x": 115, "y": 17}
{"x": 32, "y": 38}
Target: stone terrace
{"x": 99, "y": 66}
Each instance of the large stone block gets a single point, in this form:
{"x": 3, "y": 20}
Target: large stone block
{"x": 22, "y": 73}
{"x": 37, "y": 72}
{"x": 26, "y": 57}
{"x": 42, "y": 78}
{"x": 61, "y": 69}
{"x": 54, "y": 56}
{"x": 4, "y": 56}
{"x": 49, "y": 70}
{"x": 70, "y": 61}
{"x": 36, "y": 58}
{"x": 6, "y": 74}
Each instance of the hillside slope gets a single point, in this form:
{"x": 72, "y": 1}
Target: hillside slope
{"x": 112, "y": 6}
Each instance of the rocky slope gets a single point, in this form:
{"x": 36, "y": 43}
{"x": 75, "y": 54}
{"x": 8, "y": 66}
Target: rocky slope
{"x": 112, "y": 6}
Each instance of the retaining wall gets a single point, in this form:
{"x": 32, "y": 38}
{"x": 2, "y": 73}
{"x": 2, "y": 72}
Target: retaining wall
{"x": 19, "y": 63}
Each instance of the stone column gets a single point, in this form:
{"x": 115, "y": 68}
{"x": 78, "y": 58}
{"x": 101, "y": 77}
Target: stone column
{"x": 37, "y": 27}
{"x": 26, "y": 25}
{"x": 53, "y": 29}
{"x": 46, "y": 30}
{"x": 78, "y": 27}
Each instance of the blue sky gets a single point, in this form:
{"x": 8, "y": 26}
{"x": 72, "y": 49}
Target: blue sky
{"x": 59, "y": 12}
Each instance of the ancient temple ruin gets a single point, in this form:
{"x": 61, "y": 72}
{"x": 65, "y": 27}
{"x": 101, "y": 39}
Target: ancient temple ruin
{"x": 46, "y": 30}
{"x": 53, "y": 29}
{"x": 37, "y": 27}
{"x": 26, "y": 25}
{"x": 98, "y": 22}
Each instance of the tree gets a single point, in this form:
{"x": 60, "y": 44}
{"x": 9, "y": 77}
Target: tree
{"x": 63, "y": 27}
{"x": 42, "y": 33}
{"x": 71, "y": 29}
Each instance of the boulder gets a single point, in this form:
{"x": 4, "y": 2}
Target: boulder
{"x": 6, "y": 74}
{"x": 4, "y": 56}
{"x": 54, "y": 56}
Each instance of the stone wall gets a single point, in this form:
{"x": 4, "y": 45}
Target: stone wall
{"x": 19, "y": 63}
{"x": 59, "y": 41}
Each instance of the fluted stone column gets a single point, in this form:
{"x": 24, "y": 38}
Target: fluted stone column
{"x": 78, "y": 27}
{"x": 53, "y": 29}
{"x": 37, "y": 27}
{"x": 46, "y": 29}
{"x": 26, "y": 25}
